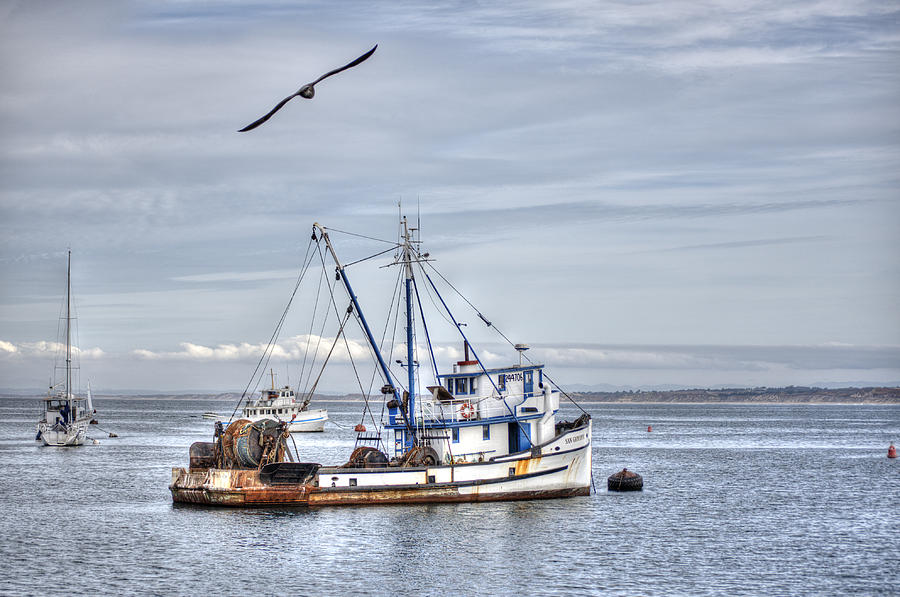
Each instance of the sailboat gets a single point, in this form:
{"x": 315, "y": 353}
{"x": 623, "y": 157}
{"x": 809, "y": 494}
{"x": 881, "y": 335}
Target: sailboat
{"x": 479, "y": 434}
{"x": 65, "y": 416}
{"x": 281, "y": 404}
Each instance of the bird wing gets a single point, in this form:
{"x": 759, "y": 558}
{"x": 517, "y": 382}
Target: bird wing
{"x": 255, "y": 124}
{"x": 346, "y": 66}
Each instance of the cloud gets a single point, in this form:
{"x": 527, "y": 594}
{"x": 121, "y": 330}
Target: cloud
{"x": 827, "y": 356}
{"x": 238, "y": 276}
{"x": 43, "y": 348}
{"x": 296, "y": 348}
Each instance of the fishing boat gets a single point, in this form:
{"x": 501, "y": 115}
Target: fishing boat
{"x": 65, "y": 416}
{"x": 281, "y": 404}
{"x": 479, "y": 433}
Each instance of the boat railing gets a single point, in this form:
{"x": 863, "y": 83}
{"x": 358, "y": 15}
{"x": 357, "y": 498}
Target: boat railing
{"x": 468, "y": 409}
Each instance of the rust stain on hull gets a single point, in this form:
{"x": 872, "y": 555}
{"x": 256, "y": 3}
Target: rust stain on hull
{"x": 244, "y": 489}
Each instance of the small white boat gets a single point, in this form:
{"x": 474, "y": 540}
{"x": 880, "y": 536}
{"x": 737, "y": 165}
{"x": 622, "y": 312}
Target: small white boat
{"x": 211, "y": 415}
{"x": 281, "y": 404}
{"x": 65, "y": 417}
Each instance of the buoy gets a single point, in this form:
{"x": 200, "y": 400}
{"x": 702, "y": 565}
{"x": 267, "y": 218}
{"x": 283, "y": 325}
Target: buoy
{"x": 649, "y": 428}
{"x": 625, "y": 480}
{"x": 360, "y": 428}
{"x": 892, "y": 451}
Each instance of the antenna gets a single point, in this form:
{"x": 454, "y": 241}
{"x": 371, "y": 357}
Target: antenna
{"x": 521, "y": 348}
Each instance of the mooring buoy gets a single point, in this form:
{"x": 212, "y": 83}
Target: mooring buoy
{"x": 892, "y": 451}
{"x": 625, "y": 480}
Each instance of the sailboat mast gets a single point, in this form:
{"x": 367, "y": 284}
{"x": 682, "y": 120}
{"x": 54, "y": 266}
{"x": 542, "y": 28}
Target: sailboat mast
{"x": 69, "y": 327}
{"x": 411, "y": 372}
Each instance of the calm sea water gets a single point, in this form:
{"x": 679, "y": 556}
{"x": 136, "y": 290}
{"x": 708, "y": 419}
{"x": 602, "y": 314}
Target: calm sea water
{"x": 738, "y": 500}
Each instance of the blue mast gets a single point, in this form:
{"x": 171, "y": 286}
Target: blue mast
{"x": 371, "y": 338}
{"x": 411, "y": 372}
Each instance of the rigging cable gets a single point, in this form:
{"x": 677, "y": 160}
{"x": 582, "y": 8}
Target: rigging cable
{"x": 491, "y": 325}
{"x": 381, "y": 240}
{"x": 270, "y": 347}
{"x": 309, "y": 334}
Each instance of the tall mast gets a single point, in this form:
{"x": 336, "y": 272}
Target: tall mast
{"x": 410, "y": 370}
{"x": 384, "y": 368}
{"x": 69, "y": 327}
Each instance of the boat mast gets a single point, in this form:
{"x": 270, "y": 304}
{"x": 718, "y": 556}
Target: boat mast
{"x": 384, "y": 368}
{"x": 69, "y": 328}
{"x": 411, "y": 372}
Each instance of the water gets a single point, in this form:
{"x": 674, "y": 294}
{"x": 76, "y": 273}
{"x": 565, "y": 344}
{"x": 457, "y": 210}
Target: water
{"x": 738, "y": 500}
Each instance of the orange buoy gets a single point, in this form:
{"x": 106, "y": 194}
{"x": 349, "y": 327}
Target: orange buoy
{"x": 892, "y": 451}
{"x": 360, "y": 428}
{"x": 649, "y": 428}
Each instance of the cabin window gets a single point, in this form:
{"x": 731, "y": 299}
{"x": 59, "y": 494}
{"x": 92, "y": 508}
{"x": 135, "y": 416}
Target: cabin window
{"x": 501, "y": 382}
{"x": 352, "y": 482}
{"x": 512, "y": 471}
{"x": 454, "y": 433}
{"x": 486, "y": 432}
{"x": 473, "y": 385}
{"x": 528, "y": 378}
{"x": 461, "y": 386}
{"x": 450, "y": 385}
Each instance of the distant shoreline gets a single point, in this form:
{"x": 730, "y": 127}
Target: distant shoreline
{"x": 789, "y": 395}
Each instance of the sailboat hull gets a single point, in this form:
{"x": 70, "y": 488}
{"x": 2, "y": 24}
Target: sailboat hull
{"x": 73, "y": 436}
{"x": 560, "y": 468}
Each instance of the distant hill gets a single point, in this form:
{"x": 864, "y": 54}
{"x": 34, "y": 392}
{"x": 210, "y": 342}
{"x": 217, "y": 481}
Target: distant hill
{"x": 790, "y": 394}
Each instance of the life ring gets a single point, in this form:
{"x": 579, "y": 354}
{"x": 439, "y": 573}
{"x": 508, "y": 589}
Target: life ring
{"x": 467, "y": 410}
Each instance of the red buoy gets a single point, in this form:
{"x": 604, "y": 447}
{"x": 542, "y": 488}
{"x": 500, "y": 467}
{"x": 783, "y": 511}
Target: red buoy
{"x": 892, "y": 451}
{"x": 649, "y": 428}
{"x": 360, "y": 428}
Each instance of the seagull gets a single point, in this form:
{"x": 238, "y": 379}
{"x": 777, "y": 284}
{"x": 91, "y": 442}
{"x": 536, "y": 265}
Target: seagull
{"x": 308, "y": 90}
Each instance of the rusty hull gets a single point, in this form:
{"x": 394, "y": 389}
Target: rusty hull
{"x": 243, "y": 488}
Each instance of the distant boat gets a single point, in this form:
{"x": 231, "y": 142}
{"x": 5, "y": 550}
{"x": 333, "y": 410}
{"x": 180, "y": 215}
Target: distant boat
{"x": 281, "y": 404}
{"x": 65, "y": 416}
{"x": 481, "y": 434}
{"x": 211, "y": 415}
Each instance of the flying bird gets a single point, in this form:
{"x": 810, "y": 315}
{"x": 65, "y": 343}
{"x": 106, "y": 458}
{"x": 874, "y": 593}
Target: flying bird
{"x": 307, "y": 91}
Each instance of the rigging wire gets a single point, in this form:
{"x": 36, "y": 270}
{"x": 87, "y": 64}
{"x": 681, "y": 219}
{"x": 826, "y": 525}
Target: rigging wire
{"x": 388, "y": 250}
{"x": 309, "y": 334}
{"x": 325, "y": 316}
{"x": 490, "y": 324}
{"x": 381, "y": 240}
{"x": 267, "y": 353}
{"x": 425, "y": 326}
{"x": 328, "y": 356}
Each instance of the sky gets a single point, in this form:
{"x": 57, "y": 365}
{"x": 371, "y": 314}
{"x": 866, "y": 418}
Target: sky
{"x": 656, "y": 193}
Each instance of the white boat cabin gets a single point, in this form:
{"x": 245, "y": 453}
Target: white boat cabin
{"x": 274, "y": 402}
{"x": 59, "y": 409}
{"x": 477, "y": 414}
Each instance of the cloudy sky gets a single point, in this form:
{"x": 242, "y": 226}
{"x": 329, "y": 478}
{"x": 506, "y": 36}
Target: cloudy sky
{"x": 658, "y": 192}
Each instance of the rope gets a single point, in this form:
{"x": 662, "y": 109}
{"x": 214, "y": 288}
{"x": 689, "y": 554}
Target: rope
{"x": 336, "y": 338}
{"x": 267, "y": 353}
{"x": 496, "y": 329}
{"x": 381, "y": 240}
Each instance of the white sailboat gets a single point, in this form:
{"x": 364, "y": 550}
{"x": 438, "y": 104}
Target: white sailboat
{"x": 482, "y": 434}
{"x": 65, "y": 417}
